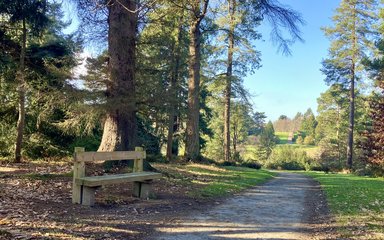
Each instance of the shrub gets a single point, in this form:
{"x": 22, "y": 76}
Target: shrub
{"x": 309, "y": 140}
{"x": 251, "y": 164}
{"x": 228, "y": 164}
{"x": 299, "y": 140}
{"x": 289, "y": 158}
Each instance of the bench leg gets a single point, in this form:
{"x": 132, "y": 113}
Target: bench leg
{"x": 88, "y": 197}
{"x": 76, "y": 193}
{"x": 143, "y": 190}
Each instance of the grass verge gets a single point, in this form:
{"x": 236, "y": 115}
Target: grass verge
{"x": 357, "y": 204}
{"x": 209, "y": 181}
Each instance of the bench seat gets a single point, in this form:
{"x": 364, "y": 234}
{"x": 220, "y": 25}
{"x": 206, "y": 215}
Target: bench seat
{"x": 96, "y": 181}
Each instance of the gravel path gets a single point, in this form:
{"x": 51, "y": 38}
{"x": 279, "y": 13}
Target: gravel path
{"x": 283, "y": 208}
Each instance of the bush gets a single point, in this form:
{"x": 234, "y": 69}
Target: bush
{"x": 251, "y": 164}
{"x": 299, "y": 140}
{"x": 228, "y": 164}
{"x": 309, "y": 140}
{"x": 289, "y": 158}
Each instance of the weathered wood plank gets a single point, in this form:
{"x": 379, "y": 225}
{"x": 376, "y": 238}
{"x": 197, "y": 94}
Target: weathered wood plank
{"x": 95, "y": 181}
{"x": 78, "y": 172}
{"x": 108, "y": 156}
{"x": 88, "y": 198}
{"x": 138, "y": 163}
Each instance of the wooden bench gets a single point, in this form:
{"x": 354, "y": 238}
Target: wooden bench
{"x": 84, "y": 188}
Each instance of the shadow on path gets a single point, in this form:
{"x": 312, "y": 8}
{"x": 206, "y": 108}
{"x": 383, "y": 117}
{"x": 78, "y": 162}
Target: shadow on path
{"x": 279, "y": 209}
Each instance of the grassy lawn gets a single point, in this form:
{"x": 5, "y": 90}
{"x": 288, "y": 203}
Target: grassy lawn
{"x": 356, "y": 202}
{"x": 209, "y": 181}
{"x": 250, "y": 150}
{"x": 283, "y": 137}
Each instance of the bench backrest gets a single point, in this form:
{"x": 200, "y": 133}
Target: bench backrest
{"x": 80, "y": 157}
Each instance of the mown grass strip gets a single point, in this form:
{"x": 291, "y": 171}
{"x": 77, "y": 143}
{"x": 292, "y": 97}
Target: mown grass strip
{"x": 227, "y": 180}
{"x": 356, "y": 202}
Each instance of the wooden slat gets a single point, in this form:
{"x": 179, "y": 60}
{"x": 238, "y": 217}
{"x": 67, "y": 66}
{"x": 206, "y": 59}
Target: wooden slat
{"x": 78, "y": 172}
{"x": 95, "y": 181}
{"x": 138, "y": 163}
{"x": 108, "y": 156}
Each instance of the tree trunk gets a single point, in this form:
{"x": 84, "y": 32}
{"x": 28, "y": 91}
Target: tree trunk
{"x": 192, "y": 134}
{"x": 338, "y": 134}
{"x": 21, "y": 90}
{"x": 172, "y": 145}
{"x": 228, "y": 83}
{"x": 120, "y": 127}
{"x": 192, "y": 143}
{"x": 351, "y": 119}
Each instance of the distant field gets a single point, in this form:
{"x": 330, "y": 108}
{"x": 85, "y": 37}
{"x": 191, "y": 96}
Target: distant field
{"x": 283, "y": 137}
{"x": 248, "y": 151}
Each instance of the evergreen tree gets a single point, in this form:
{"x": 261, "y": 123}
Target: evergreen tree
{"x": 351, "y": 39}
{"x": 268, "y": 139}
{"x": 45, "y": 59}
{"x": 309, "y": 123}
{"x": 27, "y": 16}
{"x": 197, "y": 12}
{"x": 374, "y": 145}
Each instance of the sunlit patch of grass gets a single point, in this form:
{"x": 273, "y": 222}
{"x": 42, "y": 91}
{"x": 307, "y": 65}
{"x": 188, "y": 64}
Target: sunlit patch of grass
{"x": 227, "y": 180}
{"x": 283, "y": 137}
{"x": 356, "y": 202}
{"x": 211, "y": 181}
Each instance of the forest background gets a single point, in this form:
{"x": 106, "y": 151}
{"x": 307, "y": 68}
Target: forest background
{"x": 171, "y": 80}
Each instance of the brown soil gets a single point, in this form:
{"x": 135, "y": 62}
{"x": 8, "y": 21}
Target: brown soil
{"x": 36, "y": 205}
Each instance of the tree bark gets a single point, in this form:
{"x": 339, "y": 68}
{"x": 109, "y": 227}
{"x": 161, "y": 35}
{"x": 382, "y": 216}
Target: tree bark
{"x": 228, "y": 82}
{"x": 21, "y": 91}
{"x": 120, "y": 127}
{"x": 172, "y": 145}
{"x": 192, "y": 143}
{"x": 351, "y": 119}
{"x": 192, "y": 138}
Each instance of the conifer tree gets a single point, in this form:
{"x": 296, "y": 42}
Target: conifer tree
{"x": 351, "y": 38}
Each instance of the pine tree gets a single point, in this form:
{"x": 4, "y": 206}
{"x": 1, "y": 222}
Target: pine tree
{"x": 197, "y": 12}
{"x": 351, "y": 39}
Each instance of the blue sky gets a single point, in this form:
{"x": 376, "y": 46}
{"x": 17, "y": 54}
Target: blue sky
{"x": 290, "y": 84}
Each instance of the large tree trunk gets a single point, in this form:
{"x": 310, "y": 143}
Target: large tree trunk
{"x": 21, "y": 91}
{"x": 120, "y": 127}
{"x": 172, "y": 145}
{"x": 228, "y": 82}
{"x": 192, "y": 135}
{"x": 351, "y": 119}
{"x": 192, "y": 143}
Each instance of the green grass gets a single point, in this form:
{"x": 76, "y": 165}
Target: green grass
{"x": 226, "y": 180}
{"x": 283, "y": 137}
{"x": 356, "y": 202}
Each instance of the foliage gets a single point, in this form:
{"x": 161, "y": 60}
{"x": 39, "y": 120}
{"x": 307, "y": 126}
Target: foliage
{"x": 49, "y": 59}
{"x": 300, "y": 140}
{"x": 267, "y": 139}
{"x": 373, "y": 144}
{"x": 309, "y": 140}
{"x": 288, "y": 158}
{"x": 308, "y": 123}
